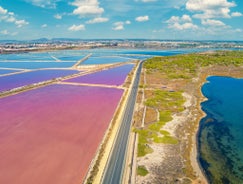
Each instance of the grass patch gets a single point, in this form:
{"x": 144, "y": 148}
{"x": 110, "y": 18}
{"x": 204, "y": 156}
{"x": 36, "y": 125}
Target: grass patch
{"x": 166, "y": 102}
{"x": 166, "y": 140}
{"x": 165, "y": 116}
{"x": 143, "y": 147}
{"x": 142, "y": 171}
{"x": 164, "y": 132}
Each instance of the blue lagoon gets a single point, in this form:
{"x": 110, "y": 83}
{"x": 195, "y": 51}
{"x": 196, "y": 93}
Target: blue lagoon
{"x": 220, "y": 136}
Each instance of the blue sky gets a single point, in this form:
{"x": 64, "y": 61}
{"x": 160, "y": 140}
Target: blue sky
{"x": 150, "y": 19}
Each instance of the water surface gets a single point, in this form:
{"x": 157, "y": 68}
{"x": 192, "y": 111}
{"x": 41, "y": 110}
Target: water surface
{"x": 31, "y": 77}
{"x": 112, "y": 76}
{"x": 221, "y": 131}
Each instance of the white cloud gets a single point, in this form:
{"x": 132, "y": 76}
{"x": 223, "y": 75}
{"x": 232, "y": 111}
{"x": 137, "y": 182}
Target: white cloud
{"x": 177, "y": 7}
{"x": 201, "y": 5}
{"x": 142, "y": 18}
{"x": 207, "y": 9}
{"x": 97, "y": 20}
{"x": 87, "y": 8}
{"x": 236, "y": 14}
{"x": 147, "y": 1}
{"x": 3, "y": 11}
{"x": 181, "y": 23}
{"x": 4, "y": 32}
{"x": 173, "y": 19}
{"x": 212, "y": 22}
{"x": 117, "y": 26}
{"x": 9, "y": 17}
{"x": 58, "y": 16}
{"x": 43, "y": 3}
{"x": 186, "y": 18}
{"x": 21, "y": 23}
{"x": 77, "y": 27}
{"x": 44, "y": 25}
{"x": 183, "y": 26}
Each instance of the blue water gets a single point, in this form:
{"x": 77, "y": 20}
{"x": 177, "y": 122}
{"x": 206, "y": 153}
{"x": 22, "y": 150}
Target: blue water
{"x": 75, "y": 55}
{"x": 7, "y": 71}
{"x": 67, "y": 58}
{"x": 105, "y": 60}
{"x": 221, "y": 131}
{"x": 43, "y": 56}
{"x": 31, "y": 77}
{"x": 36, "y": 65}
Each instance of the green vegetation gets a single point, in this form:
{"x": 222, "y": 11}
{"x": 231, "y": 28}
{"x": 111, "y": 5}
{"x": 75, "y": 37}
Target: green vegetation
{"x": 186, "y": 66}
{"x": 176, "y": 73}
{"x": 167, "y": 103}
{"x": 143, "y": 147}
{"x": 165, "y": 140}
{"x": 142, "y": 171}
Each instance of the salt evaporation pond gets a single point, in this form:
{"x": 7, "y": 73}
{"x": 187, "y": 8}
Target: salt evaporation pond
{"x": 67, "y": 58}
{"x": 42, "y": 56}
{"x": 220, "y": 135}
{"x": 27, "y": 78}
{"x": 50, "y": 135}
{"x": 112, "y": 76}
{"x": 34, "y": 56}
{"x": 7, "y": 71}
{"x": 35, "y": 65}
{"x": 104, "y": 60}
{"x": 153, "y": 52}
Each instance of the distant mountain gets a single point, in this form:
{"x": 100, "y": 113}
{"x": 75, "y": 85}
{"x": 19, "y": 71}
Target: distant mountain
{"x": 40, "y": 40}
{"x": 220, "y": 43}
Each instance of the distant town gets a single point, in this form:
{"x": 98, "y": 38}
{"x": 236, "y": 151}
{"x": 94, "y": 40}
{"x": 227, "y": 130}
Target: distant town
{"x": 13, "y": 46}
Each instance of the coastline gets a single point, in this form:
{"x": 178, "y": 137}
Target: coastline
{"x": 203, "y": 75}
{"x": 194, "y": 102}
{"x": 233, "y": 75}
{"x": 195, "y": 151}
{"x": 194, "y": 157}
{"x": 179, "y": 163}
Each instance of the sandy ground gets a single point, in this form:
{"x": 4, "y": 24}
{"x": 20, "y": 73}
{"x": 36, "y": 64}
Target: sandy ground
{"x": 164, "y": 161}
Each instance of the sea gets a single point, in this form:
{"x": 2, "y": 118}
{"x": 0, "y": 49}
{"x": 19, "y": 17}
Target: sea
{"x": 220, "y": 137}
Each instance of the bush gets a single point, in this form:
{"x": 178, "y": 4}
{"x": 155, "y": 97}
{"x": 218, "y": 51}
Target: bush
{"x": 142, "y": 171}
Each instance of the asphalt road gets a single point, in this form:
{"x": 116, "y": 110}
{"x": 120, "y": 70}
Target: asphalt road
{"x": 114, "y": 169}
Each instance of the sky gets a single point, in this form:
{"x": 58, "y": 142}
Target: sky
{"x": 125, "y": 19}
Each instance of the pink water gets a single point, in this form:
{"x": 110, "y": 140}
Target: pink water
{"x": 113, "y": 76}
{"x": 50, "y": 135}
{"x": 27, "y": 78}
